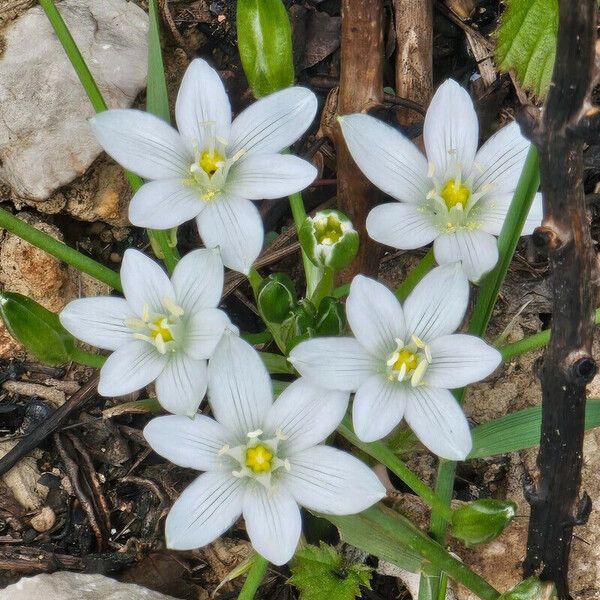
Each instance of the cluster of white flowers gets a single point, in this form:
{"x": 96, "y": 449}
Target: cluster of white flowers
{"x": 264, "y": 458}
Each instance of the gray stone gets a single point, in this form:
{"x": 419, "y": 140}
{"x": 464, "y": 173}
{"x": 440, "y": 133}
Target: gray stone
{"x": 77, "y": 586}
{"x": 45, "y": 140}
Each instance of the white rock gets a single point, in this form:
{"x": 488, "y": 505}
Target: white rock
{"x": 77, "y": 586}
{"x": 45, "y": 140}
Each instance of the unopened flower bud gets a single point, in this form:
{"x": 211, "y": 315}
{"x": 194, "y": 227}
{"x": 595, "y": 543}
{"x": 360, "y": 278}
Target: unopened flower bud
{"x": 276, "y": 297}
{"x": 482, "y": 520}
{"x": 331, "y": 319}
{"x": 531, "y": 589}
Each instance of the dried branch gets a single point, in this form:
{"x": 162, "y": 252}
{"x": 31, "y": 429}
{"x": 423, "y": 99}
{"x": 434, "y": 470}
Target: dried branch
{"x": 568, "y": 365}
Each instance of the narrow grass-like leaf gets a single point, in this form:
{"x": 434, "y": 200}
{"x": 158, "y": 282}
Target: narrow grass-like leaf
{"x": 157, "y": 98}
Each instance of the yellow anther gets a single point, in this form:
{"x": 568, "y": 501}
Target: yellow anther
{"x": 328, "y": 230}
{"x": 455, "y": 193}
{"x": 258, "y": 459}
{"x": 174, "y": 309}
{"x": 210, "y": 162}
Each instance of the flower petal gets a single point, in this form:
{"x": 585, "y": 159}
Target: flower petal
{"x": 142, "y": 143}
{"x": 330, "y": 481}
{"x": 451, "y": 130}
{"x": 459, "y": 359}
{"x": 204, "y": 331}
{"x": 387, "y": 158}
{"x": 202, "y": 109}
{"x": 273, "y": 122}
{"x": 190, "y": 443}
{"x": 235, "y": 226}
{"x": 198, "y": 280}
{"x": 164, "y": 204}
{"x": 378, "y": 407}
{"x": 129, "y": 368}
{"x": 399, "y": 225}
{"x": 500, "y": 160}
{"x": 491, "y": 214}
{"x": 475, "y": 249}
{"x": 375, "y": 316}
{"x": 144, "y": 282}
{"x": 240, "y": 388}
{"x": 98, "y": 321}
{"x": 439, "y": 422}
{"x": 273, "y": 523}
{"x": 438, "y": 303}
{"x": 181, "y": 387}
{"x": 205, "y": 509}
{"x": 305, "y": 414}
{"x": 269, "y": 176}
{"x": 335, "y": 363}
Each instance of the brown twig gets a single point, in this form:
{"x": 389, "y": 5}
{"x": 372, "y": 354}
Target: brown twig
{"x": 568, "y": 365}
{"x": 25, "y": 559}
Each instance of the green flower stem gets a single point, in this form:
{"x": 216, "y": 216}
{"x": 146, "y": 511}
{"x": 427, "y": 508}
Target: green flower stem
{"x": 257, "y": 573}
{"x": 159, "y": 238}
{"x": 387, "y": 457}
{"x": 83, "y": 357}
{"x": 59, "y": 250}
{"x": 421, "y": 269}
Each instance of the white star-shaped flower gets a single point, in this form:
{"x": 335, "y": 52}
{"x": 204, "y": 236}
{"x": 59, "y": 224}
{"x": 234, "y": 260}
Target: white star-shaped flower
{"x": 403, "y": 360}
{"x": 163, "y": 330}
{"x": 457, "y": 197}
{"x": 263, "y": 459}
{"x": 212, "y": 167}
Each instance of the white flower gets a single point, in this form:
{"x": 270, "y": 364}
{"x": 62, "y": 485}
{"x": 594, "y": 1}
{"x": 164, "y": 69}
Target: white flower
{"x": 212, "y": 167}
{"x": 162, "y": 330}
{"x": 262, "y": 458}
{"x": 457, "y": 197}
{"x": 403, "y": 360}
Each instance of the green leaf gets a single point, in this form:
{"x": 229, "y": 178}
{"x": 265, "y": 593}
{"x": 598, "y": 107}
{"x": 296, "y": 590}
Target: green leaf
{"x": 157, "y": 98}
{"x": 265, "y": 44}
{"x": 482, "y": 520}
{"x": 531, "y": 589}
{"x": 277, "y": 364}
{"x": 320, "y": 573}
{"x": 526, "y": 42}
{"x": 519, "y": 430}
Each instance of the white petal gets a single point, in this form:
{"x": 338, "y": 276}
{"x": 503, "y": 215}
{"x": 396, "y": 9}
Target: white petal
{"x": 399, "y": 225}
{"x": 335, "y": 363}
{"x": 240, "y": 387}
{"x": 378, "y": 407}
{"x": 476, "y": 250}
{"x": 191, "y": 443}
{"x": 500, "y": 160}
{"x": 439, "y": 422}
{"x": 269, "y": 176}
{"x": 181, "y": 387}
{"x": 202, "y": 109}
{"x": 144, "y": 282}
{"x": 164, "y": 204}
{"x": 198, "y": 280}
{"x": 129, "y": 368}
{"x": 375, "y": 316}
{"x": 438, "y": 303}
{"x": 205, "y": 509}
{"x": 273, "y": 122}
{"x": 331, "y": 481}
{"x": 235, "y": 226}
{"x": 389, "y": 160}
{"x": 451, "y": 130}
{"x": 458, "y": 360}
{"x": 273, "y": 523}
{"x": 98, "y": 321}
{"x": 491, "y": 214}
{"x": 305, "y": 414}
{"x": 142, "y": 143}
{"x": 204, "y": 331}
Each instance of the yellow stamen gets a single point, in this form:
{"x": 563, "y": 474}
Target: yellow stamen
{"x": 160, "y": 327}
{"x": 454, "y": 193}
{"x": 210, "y": 162}
{"x": 406, "y": 359}
{"x": 259, "y": 458}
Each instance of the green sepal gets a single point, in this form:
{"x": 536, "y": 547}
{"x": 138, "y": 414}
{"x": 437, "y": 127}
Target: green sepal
{"x": 276, "y": 297}
{"x": 265, "y": 45}
{"x": 482, "y": 520}
{"x": 331, "y": 317}
{"x": 37, "y": 328}
{"x": 531, "y": 589}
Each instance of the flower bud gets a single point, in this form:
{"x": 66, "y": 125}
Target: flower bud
{"x": 276, "y": 297}
{"x": 329, "y": 239}
{"x": 531, "y": 589}
{"x": 482, "y": 520}
{"x": 331, "y": 317}
{"x": 300, "y": 325}
{"x": 37, "y": 328}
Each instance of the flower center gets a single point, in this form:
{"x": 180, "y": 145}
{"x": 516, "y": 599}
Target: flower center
{"x": 454, "y": 193}
{"x": 409, "y": 361}
{"x": 259, "y": 458}
{"x": 328, "y": 230}
{"x": 210, "y": 162}
{"x": 162, "y": 327}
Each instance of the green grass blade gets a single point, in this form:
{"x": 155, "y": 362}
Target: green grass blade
{"x": 157, "y": 98}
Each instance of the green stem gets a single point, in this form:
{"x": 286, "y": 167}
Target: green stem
{"x": 311, "y": 271}
{"x": 59, "y": 250}
{"x": 380, "y": 452}
{"x": 254, "y": 578}
{"x": 83, "y": 357}
{"x": 421, "y": 269}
